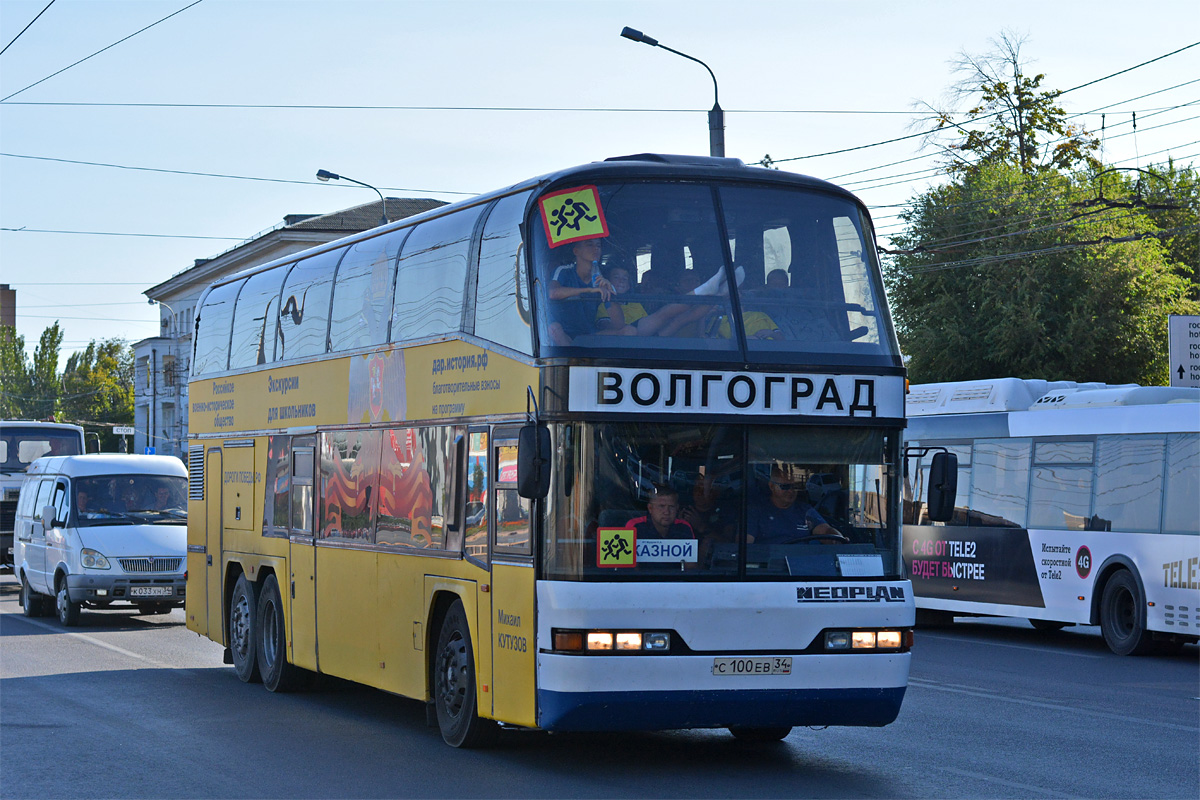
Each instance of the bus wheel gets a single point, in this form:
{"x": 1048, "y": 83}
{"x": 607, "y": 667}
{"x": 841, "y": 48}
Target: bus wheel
{"x": 68, "y": 610}
{"x": 1123, "y": 616}
{"x": 277, "y": 674}
{"x": 243, "y": 630}
{"x": 1047, "y": 624}
{"x": 761, "y": 734}
{"x": 454, "y": 685}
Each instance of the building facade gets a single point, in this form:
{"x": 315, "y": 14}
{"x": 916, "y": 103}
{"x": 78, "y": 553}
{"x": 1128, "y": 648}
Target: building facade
{"x": 162, "y": 362}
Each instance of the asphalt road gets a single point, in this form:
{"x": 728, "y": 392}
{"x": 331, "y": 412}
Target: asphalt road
{"x": 129, "y": 706}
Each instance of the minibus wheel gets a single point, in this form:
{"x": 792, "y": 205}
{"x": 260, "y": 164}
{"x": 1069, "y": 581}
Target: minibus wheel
{"x": 68, "y": 610}
{"x": 454, "y": 685}
{"x": 32, "y": 603}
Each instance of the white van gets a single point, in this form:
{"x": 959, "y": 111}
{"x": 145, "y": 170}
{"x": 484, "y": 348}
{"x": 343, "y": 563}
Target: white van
{"x": 93, "y": 530}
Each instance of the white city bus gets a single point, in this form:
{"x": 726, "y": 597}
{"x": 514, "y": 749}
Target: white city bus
{"x": 362, "y": 434}
{"x": 1078, "y": 504}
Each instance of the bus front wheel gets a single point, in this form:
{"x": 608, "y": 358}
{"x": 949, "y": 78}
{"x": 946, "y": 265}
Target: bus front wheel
{"x": 243, "y": 629}
{"x": 454, "y": 684}
{"x": 1123, "y": 616}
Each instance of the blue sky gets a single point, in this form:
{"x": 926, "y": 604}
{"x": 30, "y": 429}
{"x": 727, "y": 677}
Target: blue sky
{"x": 772, "y": 59}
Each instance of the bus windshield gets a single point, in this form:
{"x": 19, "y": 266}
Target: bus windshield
{"x": 20, "y": 446}
{"x": 646, "y": 266}
{"x": 719, "y": 502}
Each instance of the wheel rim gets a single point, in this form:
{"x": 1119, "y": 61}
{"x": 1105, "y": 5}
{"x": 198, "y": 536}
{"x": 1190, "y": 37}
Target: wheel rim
{"x": 269, "y": 634}
{"x": 25, "y": 603}
{"x": 452, "y": 676}
{"x": 63, "y": 601}
{"x": 239, "y": 625}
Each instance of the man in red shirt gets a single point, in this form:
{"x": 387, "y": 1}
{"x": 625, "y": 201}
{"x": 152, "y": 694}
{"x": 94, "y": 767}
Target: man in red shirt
{"x": 662, "y": 520}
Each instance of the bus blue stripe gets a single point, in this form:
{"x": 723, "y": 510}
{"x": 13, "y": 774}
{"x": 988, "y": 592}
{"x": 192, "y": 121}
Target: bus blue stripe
{"x": 611, "y": 711}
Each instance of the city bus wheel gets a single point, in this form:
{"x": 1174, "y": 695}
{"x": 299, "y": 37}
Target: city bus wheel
{"x": 277, "y": 674}
{"x": 1123, "y": 616}
{"x": 1047, "y": 624}
{"x": 32, "y": 604}
{"x": 68, "y": 610}
{"x": 454, "y": 685}
{"x": 775, "y": 734}
{"x": 243, "y": 631}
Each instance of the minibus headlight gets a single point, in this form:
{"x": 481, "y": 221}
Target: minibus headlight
{"x": 92, "y": 560}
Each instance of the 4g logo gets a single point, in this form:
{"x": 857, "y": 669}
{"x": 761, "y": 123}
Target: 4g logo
{"x": 1083, "y": 561}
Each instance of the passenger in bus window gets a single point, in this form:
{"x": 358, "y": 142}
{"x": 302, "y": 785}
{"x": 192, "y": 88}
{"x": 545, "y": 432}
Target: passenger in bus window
{"x": 662, "y": 518}
{"x": 782, "y": 517}
{"x": 679, "y": 319}
{"x": 571, "y": 316}
{"x": 631, "y": 311}
{"x": 713, "y": 520}
{"x": 758, "y": 324}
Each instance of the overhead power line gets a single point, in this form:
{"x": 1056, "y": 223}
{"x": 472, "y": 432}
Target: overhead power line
{"x": 35, "y": 19}
{"x": 115, "y": 233}
{"x": 101, "y": 50}
{"x": 540, "y": 109}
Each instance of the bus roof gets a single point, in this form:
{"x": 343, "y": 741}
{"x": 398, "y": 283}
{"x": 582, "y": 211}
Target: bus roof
{"x": 1016, "y": 394}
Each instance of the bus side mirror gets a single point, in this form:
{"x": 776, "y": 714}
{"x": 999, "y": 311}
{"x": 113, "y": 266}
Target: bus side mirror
{"x": 533, "y": 462}
{"x": 943, "y": 487}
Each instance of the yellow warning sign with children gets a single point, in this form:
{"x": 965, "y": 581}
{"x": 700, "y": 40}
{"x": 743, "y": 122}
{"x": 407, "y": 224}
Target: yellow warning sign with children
{"x": 616, "y": 547}
{"x": 572, "y": 215}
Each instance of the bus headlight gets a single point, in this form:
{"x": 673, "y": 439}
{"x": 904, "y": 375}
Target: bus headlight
{"x": 898, "y": 640}
{"x": 91, "y": 559}
{"x": 576, "y": 641}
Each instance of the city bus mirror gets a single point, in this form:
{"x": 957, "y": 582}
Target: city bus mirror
{"x": 533, "y": 462}
{"x": 943, "y": 487}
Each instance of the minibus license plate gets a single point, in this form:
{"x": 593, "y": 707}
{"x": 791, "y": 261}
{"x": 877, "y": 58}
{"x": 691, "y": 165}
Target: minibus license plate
{"x": 149, "y": 591}
{"x": 752, "y": 666}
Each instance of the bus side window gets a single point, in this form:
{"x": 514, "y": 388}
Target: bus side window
{"x": 431, "y": 277}
{"x": 255, "y": 318}
{"x": 304, "y": 306}
{"x": 212, "y": 337}
{"x": 277, "y": 502}
{"x": 502, "y": 297}
{"x": 362, "y": 292}
{"x": 476, "y": 534}
{"x": 301, "y": 513}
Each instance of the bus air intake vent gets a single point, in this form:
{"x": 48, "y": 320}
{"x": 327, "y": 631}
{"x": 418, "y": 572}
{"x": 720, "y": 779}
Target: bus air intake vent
{"x": 971, "y": 393}
{"x": 196, "y": 472}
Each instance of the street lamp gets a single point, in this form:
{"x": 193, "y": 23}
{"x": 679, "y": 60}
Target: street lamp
{"x": 716, "y": 117}
{"x": 154, "y": 302}
{"x": 326, "y": 175}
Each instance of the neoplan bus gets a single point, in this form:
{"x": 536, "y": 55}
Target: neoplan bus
{"x": 1079, "y": 505}
{"x": 417, "y": 465}
{"x": 22, "y": 441}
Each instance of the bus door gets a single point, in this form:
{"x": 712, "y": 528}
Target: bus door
{"x": 513, "y": 688}
{"x": 214, "y": 504}
{"x": 477, "y": 548}
{"x": 302, "y": 554}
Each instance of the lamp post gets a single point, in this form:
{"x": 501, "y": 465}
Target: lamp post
{"x": 326, "y": 175}
{"x": 716, "y": 117}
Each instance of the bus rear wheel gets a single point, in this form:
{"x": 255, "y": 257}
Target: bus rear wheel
{"x": 454, "y": 685}
{"x": 1123, "y": 616}
{"x": 277, "y": 674}
{"x": 243, "y": 630}
{"x": 775, "y": 734}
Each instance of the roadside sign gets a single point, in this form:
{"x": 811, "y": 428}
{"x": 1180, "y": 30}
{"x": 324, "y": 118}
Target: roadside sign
{"x": 149, "y": 451}
{"x": 123, "y": 431}
{"x": 1184, "y": 332}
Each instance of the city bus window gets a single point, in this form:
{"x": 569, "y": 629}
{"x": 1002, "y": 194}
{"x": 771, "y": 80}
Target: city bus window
{"x": 1182, "y": 510}
{"x": 255, "y": 318}
{"x": 279, "y": 486}
{"x": 809, "y": 274}
{"x": 304, "y": 306}
{"x": 1060, "y": 488}
{"x": 414, "y": 477}
{"x": 476, "y": 539}
{"x": 656, "y": 247}
{"x": 1129, "y": 481}
{"x": 212, "y": 336}
{"x": 998, "y": 495}
{"x": 302, "y": 486}
{"x": 502, "y": 298}
{"x": 431, "y": 275}
{"x": 362, "y": 294}
{"x": 349, "y": 481}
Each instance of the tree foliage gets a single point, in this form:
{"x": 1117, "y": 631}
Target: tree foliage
{"x": 95, "y": 389}
{"x": 1034, "y": 261}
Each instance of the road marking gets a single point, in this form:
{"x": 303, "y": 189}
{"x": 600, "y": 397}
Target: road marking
{"x": 1025, "y": 787}
{"x": 95, "y": 641}
{"x": 941, "y": 687}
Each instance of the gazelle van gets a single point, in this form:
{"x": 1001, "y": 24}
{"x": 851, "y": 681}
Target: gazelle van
{"x": 93, "y": 530}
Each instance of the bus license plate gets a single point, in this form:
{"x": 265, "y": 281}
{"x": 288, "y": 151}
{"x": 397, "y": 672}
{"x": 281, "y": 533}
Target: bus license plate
{"x": 149, "y": 591}
{"x": 752, "y": 666}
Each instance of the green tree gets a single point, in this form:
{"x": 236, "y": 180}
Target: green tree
{"x": 1032, "y": 260}
{"x": 98, "y": 387}
{"x": 1011, "y": 119}
{"x": 30, "y": 387}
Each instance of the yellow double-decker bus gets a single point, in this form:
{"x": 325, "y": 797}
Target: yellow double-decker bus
{"x": 614, "y": 448}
